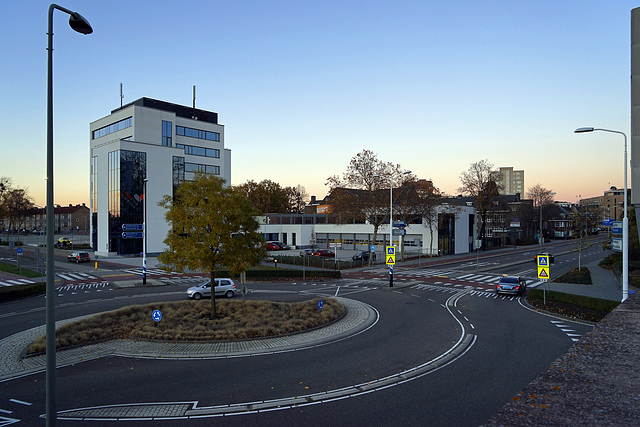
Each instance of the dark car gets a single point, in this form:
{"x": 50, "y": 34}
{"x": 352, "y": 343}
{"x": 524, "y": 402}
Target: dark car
{"x": 513, "y": 285}
{"x": 283, "y": 246}
{"x": 78, "y": 257}
{"x": 306, "y": 252}
{"x": 363, "y": 256}
{"x": 551, "y": 259}
{"x": 324, "y": 253}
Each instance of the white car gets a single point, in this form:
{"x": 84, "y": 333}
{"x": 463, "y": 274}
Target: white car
{"x": 223, "y": 287}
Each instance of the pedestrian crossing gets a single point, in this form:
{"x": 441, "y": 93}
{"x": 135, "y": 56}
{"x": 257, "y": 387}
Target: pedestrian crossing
{"x": 567, "y": 330}
{"x": 14, "y": 282}
{"x": 151, "y": 271}
{"x": 482, "y": 278}
{"x": 75, "y": 276}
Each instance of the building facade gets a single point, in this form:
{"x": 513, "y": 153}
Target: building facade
{"x": 512, "y": 181}
{"x": 147, "y": 148}
{"x": 67, "y": 219}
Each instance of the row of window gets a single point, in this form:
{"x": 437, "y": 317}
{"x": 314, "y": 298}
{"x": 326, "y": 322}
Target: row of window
{"x": 200, "y": 151}
{"x": 195, "y": 167}
{"x": 197, "y": 133}
{"x": 114, "y": 127}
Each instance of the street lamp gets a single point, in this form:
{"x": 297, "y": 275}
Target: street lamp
{"x": 81, "y": 25}
{"x": 144, "y": 232}
{"x": 625, "y": 219}
{"x": 377, "y": 175}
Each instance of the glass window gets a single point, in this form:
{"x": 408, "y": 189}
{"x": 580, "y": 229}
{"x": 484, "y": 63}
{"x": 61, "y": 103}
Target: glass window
{"x": 166, "y": 133}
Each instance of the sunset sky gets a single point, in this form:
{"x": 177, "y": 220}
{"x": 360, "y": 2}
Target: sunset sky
{"x": 303, "y": 86}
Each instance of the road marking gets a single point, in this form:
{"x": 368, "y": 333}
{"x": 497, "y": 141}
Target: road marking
{"x": 21, "y": 402}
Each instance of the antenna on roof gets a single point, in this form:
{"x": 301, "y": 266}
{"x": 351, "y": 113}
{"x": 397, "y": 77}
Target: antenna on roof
{"x": 194, "y": 103}
{"x": 121, "y": 95}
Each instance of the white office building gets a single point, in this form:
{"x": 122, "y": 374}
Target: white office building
{"x": 156, "y": 141}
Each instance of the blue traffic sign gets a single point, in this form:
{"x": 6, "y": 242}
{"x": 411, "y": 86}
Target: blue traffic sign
{"x": 607, "y": 222}
{"x": 400, "y": 224}
{"x": 19, "y": 251}
{"x": 391, "y": 250}
{"x": 320, "y": 305}
{"x": 616, "y": 227}
{"x": 131, "y": 227}
{"x": 132, "y": 234}
{"x": 156, "y": 315}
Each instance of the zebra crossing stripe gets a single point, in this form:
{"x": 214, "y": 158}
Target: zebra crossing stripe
{"x": 4, "y": 284}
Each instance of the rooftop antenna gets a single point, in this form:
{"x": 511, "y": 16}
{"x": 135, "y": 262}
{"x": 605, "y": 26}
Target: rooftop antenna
{"x": 194, "y": 103}
{"x": 121, "y": 95}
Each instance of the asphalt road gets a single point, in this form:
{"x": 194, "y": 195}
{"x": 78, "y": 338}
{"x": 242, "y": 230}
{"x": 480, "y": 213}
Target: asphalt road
{"x": 511, "y": 345}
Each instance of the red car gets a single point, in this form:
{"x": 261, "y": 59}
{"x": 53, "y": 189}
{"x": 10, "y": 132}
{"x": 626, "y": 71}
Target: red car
{"x": 272, "y": 246}
{"x": 324, "y": 253}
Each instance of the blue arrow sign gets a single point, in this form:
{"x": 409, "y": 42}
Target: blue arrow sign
{"x": 19, "y": 251}
{"x": 131, "y": 227}
{"x": 156, "y": 315}
{"x": 132, "y": 234}
{"x": 320, "y": 305}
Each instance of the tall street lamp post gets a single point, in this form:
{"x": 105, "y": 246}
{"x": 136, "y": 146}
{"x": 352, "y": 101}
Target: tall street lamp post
{"x": 390, "y": 218}
{"x": 81, "y": 25}
{"x": 625, "y": 219}
{"x": 144, "y": 232}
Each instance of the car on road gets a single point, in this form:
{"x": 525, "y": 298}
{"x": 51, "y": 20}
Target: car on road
{"x": 272, "y": 246}
{"x": 551, "y": 259}
{"x": 324, "y": 253}
{"x": 78, "y": 257}
{"x": 223, "y": 287}
{"x": 513, "y": 285}
{"x": 306, "y": 252}
{"x": 363, "y": 256}
{"x": 62, "y": 242}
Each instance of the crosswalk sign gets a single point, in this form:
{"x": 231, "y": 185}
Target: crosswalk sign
{"x": 543, "y": 260}
{"x": 391, "y": 250}
{"x": 543, "y": 273}
{"x": 391, "y": 259}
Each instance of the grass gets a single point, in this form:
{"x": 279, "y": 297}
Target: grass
{"x": 191, "y": 321}
{"x": 568, "y": 305}
{"x": 13, "y": 269}
{"x": 577, "y": 276}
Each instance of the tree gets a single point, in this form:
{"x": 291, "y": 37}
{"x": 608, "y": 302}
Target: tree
{"x": 265, "y": 196}
{"x": 584, "y": 220}
{"x": 297, "y": 198}
{"x": 212, "y": 226}
{"x": 359, "y": 195}
{"x": 541, "y": 197}
{"x": 481, "y": 182}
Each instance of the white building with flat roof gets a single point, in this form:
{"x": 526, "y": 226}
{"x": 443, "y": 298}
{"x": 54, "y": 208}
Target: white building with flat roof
{"x": 150, "y": 142}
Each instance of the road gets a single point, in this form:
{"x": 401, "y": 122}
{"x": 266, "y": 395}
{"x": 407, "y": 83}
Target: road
{"x": 419, "y": 320}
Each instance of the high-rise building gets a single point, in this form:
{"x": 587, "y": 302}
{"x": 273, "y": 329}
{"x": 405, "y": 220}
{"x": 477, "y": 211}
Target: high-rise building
{"x": 153, "y": 144}
{"x": 512, "y": 181}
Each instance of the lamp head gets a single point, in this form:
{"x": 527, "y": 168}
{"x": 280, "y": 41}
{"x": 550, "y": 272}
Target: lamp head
{"x": 78, "y": 23}
{"x": 583, "y": 130}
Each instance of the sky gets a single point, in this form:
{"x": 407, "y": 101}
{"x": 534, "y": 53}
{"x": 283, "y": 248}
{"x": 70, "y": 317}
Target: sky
{"x": 303, "y": 86}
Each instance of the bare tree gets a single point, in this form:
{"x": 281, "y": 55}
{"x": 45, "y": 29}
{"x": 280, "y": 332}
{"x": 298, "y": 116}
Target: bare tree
{"x": 297, "y": 198}
{"x": 481, "y": 182}
{"x": 359, "y": 195}
{"x": 541, "y": 197}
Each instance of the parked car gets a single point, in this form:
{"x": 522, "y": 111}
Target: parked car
{"x": 306, "y": 252}
{"x": 223, "y": 287}
{"x": 272, "y": 246}
{"x": 78, "y": 257}
{"x": 363, "y": 256}
{"x": 324, "y": 253}
{"x": 283, "y": 246}
{"x": 62, "y": 242}
{"x": 551, "y": 259}
{"x": 513, "y": 285}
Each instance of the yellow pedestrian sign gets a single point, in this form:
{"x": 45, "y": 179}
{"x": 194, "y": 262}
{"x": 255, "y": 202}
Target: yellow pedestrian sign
{"x": 543, "y": 272}
{"x": 391, "y": 255}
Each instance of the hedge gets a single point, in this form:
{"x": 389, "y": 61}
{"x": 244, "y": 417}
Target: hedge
{"x": 578, "y": 300}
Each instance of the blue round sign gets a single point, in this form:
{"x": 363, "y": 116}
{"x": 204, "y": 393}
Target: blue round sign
{"x": 19, "y": 251}
{"x": 156, "y": 315}
{"x": 320, "y": 305}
